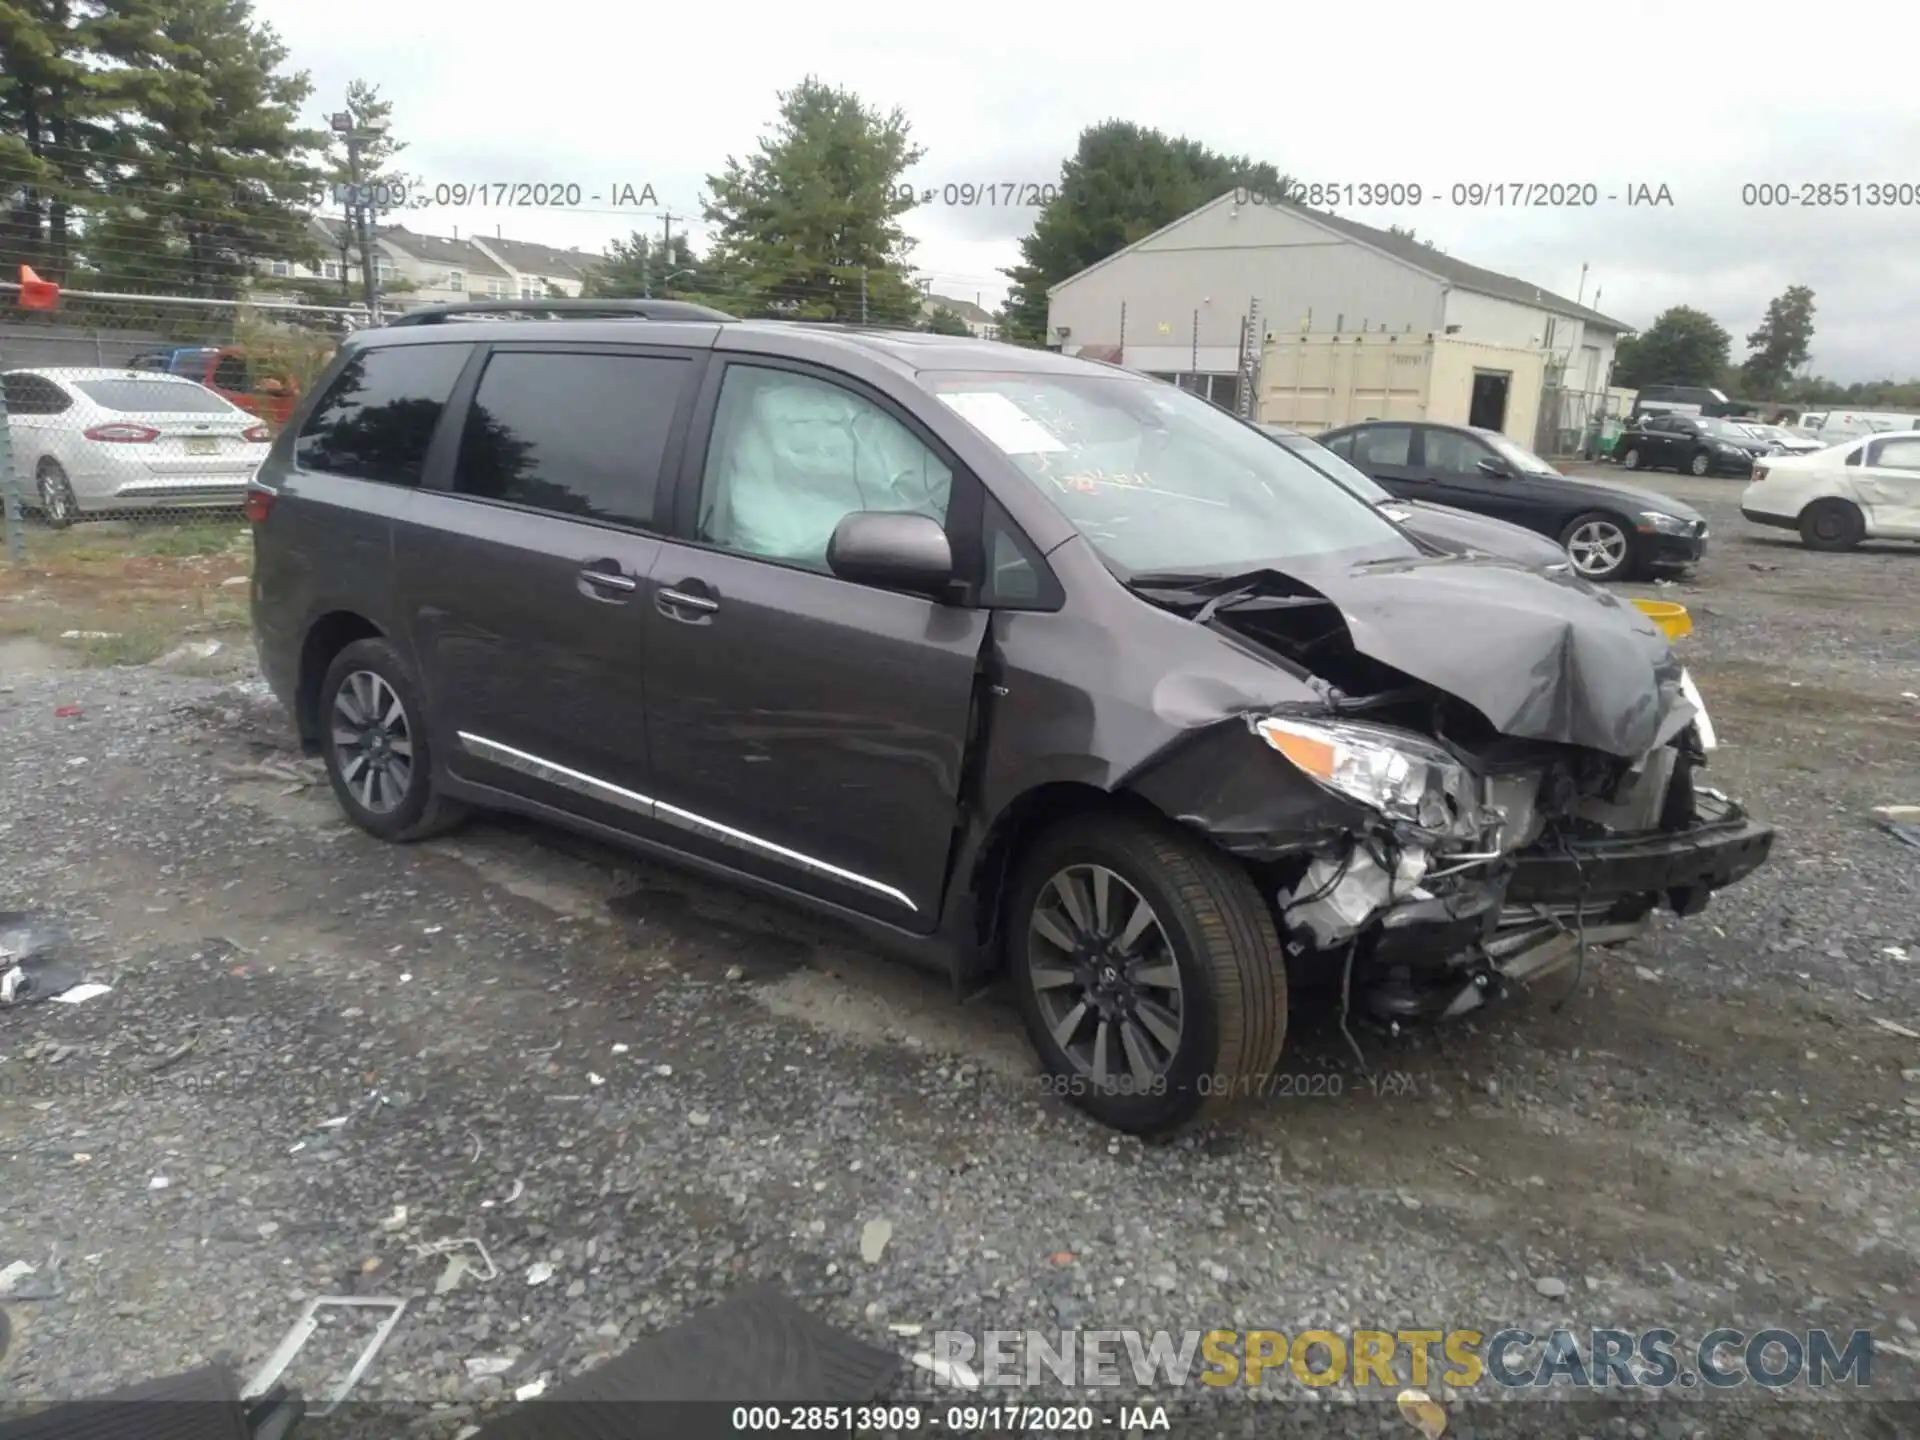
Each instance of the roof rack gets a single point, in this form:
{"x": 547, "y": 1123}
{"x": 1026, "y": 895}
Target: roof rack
{"x": 564, "y": 309}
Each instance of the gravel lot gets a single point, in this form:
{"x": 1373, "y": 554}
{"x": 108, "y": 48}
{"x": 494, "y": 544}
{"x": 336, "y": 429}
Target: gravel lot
{"x": 665, "y": 1092}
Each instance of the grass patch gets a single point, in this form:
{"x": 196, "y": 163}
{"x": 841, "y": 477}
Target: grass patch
{"x": 116, "y": 593}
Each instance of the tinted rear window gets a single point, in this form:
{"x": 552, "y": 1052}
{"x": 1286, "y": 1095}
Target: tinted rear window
{"x": 574, "y": 434}
{"x": 151, "y": 396}
{"x": 377, "y": 420}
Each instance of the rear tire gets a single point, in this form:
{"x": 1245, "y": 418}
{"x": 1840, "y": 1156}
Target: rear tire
{"x": 1701, "y": 464}
{"x": 1206, "y": 958}
{"x": 57, "y": 505}
{"x": 1601, "y": 547}
{"x": 1631, "y": 459}
{"x": 1832, "y": 525}
{"x": 374, "y": 740}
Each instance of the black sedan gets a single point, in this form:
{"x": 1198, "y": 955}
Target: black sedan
{"x": 1455, "y": 531}
{"x": 1697, "y": 444}
{"x": 1610, "y": 532}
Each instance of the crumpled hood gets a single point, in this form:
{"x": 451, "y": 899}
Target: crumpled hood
{"x": 1543, "y": 657}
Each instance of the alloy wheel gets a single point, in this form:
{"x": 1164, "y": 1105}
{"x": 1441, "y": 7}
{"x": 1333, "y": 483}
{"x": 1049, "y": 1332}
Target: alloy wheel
{"x": 1105, "y": 977}
{"x": 1632, "y": 460}
{"x": 56, "y": 498}
{"x": 1599, "y": 547}
{"x": 372, "y": 742}
{"x": 1702, "y": 464}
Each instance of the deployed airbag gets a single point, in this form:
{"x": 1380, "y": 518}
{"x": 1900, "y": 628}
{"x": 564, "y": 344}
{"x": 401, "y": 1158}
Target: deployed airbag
{"x": 793, "y": 456}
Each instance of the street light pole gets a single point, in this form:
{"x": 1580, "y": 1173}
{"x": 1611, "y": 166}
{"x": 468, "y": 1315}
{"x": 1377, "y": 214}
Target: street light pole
{"x": 361, "y": 209}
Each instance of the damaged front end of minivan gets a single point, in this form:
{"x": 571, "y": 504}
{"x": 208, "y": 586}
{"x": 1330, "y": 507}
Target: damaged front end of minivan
{"x": 1499, "y": 775}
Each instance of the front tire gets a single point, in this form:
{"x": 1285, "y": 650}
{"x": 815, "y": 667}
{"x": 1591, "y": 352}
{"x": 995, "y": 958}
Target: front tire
{"x": 1702, "y": 464}
{"x": 1631, "y": 459}
{"x": 1832, "y": 525}
{"x": 57, "y": 505}
{"x": 1147, "y": 970}
{"x": 373, "y": 737}
{"x": 1600, "y": 546}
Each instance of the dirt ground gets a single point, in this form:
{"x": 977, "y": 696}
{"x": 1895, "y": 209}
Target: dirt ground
{"x": 665, "y": 1092}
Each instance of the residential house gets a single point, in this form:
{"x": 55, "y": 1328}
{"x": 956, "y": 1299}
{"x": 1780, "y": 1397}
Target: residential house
{"x": 438, "y": 270}
{"x": 1173, "y": 304}
{"x": 537, "y": 271}
{"x": 980, "y": 323}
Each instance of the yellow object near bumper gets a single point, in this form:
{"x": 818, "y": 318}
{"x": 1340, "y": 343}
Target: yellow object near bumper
{"x": 1669, "y": 617}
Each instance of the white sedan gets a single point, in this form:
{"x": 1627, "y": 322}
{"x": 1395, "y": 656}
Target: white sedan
{"x": 89, "y": 441}
{"x": 1835, "y": 498}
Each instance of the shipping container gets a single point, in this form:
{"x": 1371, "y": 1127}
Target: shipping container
{"x": 1319, "y": 382}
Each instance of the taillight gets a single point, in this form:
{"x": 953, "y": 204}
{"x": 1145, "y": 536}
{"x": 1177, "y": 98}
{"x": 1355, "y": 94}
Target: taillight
{"x": 258, "y": 434}
{"x": 124, "y": 434}
{"x": 259, "y": 504}
{"x": 1759, "y": 472}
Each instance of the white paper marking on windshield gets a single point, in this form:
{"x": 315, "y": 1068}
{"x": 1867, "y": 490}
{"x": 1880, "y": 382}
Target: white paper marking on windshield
{"x": 1003, "y": 422}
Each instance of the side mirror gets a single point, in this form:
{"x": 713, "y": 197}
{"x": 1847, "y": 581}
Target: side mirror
{"x": 897, "y": 551}
{"x": 1496, "y": 468}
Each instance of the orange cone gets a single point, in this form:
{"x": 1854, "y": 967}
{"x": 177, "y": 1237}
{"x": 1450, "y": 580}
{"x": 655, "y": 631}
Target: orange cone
{"x": 35, "y": 293}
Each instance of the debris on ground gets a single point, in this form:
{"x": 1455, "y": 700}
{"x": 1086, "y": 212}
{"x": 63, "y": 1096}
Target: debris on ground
{"x": 1903, "y": 832}
{"x": 1893, "y": 1028}
{"x": 12, "y": 1274}
{"x": 874, "y": 1236}
{"x": 540, "y": 1273}
{"x": 82, "y": 992}
{"x": 37, "y": 960}
{"x": 1423, "y": 1413}
{"x": 190, "y": 651}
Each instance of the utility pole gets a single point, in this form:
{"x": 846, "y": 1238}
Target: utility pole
{"x": 360, "y": 207}
{"x": 863, "y": 294}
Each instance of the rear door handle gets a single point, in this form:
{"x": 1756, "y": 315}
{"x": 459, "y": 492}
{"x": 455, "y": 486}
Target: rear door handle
{"x": 608, "y": 580}
{"x": 680, "y": 600}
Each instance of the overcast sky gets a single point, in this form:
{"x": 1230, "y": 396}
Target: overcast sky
{"x": 600, "y": 94}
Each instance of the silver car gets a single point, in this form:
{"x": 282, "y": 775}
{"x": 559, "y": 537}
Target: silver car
{"x": 89, "y": 441}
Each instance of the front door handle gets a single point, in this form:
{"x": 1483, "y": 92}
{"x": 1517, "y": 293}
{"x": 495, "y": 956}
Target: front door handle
{"x": 609, "y": 582}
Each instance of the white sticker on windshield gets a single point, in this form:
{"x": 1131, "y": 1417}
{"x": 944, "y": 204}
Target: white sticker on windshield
{"x": 1003, "y": 422}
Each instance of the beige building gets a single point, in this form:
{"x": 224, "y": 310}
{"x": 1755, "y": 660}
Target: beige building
{"x": 1320, "y": 382}
{"x": 1176, "y": 303}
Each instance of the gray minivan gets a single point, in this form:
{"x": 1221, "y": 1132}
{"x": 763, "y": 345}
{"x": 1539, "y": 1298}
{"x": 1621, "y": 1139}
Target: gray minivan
{"x": 1025, "y": 666}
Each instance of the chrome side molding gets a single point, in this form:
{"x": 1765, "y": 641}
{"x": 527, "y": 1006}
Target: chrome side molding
{"x": 605, "y": 791}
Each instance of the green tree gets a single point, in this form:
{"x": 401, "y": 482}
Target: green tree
{"x": 57, "y": 106}
{"x": 1683, "y": 346}
{"x": 209, "y": 169}
{"x": 1782, "y": 343}
{"x": 645, "y": 265}
{"x": 1406, "y": 233}
{"x": 1121, "y": 184}
{"x": 942, "y": 321}
{"x": 809, "y": 226}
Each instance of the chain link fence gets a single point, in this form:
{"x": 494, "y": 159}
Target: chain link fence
{"x": 146, "y": 409}
{"x": 129, "y": 428}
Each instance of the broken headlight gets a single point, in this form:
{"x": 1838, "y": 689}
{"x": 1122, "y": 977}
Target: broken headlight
{"x": 1701, "y": 724}
{"x": 1410, "y": 781}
